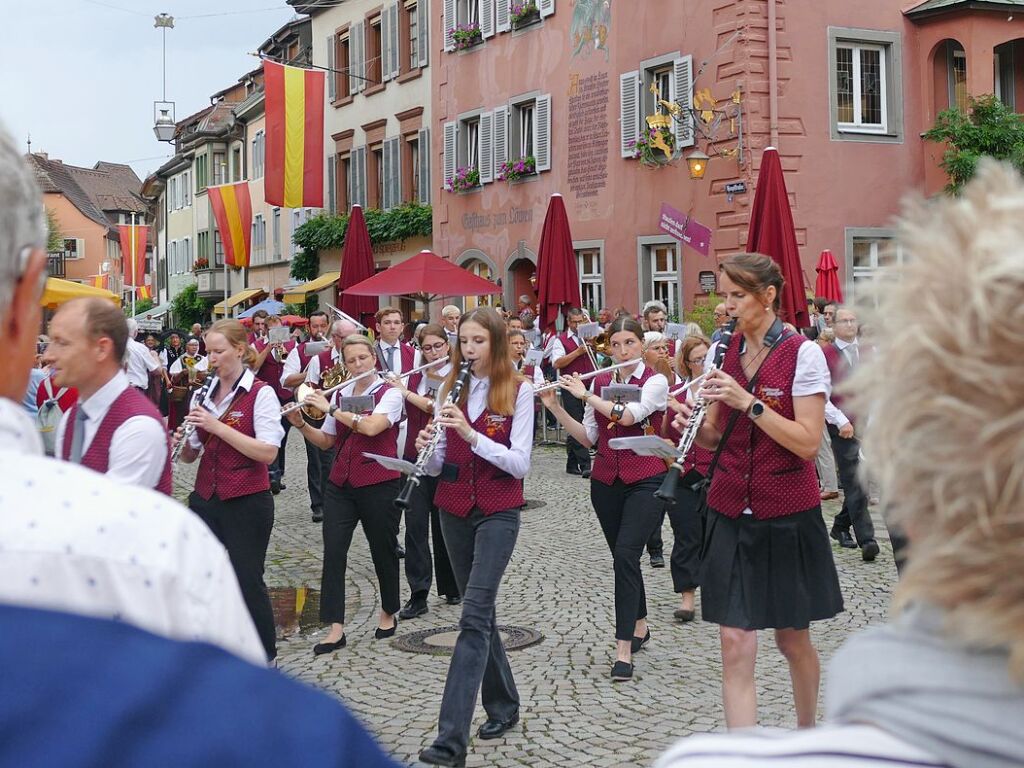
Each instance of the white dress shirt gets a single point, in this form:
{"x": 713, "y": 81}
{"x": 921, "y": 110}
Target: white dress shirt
{"x": 313, "y": 369}
{"x": 396, "y": 362}
{"x": 141, "y": 361}
{"x": 811, "y": 376}
{"x": 72, "y": 540}
{"x": 266, "y": 410}
{"x": 138, "y": 448}
{"x": 653, "y": 397}
{"x": 293, "y": 365}
{"x": 515, "y": 459}
{"x": 538, "y": 374}
{"x": 390, "y": 405}
{"x": 178, "y": 365}
{"x": 438, "y": 373}
{"x": 557, "y": 347}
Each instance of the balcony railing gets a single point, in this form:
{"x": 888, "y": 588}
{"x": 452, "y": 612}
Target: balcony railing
{"x": 55, "y": 263}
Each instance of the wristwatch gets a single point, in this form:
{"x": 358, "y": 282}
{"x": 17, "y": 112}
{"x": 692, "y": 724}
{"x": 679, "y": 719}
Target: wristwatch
{"x": 356, "y": 418}
{"x": 755, "y": 409}
{"x": 331, "y": 410}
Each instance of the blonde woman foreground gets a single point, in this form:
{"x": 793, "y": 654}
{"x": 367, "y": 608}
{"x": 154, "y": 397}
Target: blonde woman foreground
{"x": 943, "y": 683}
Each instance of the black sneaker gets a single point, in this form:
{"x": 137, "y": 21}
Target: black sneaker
{"x": 844, "y": 538}
{"x": 657, "y": 561}
{"x": 869, "y": 551}
{"x": 622, "y": 671}
{"x": 417, "y": 606}
{"x": 318, "y": 515}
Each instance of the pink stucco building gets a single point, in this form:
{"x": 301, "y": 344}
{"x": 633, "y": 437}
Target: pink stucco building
{"x": 842, "y": 89}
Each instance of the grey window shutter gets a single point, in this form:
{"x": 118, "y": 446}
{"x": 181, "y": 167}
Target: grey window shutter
{"x": 546, "y": 7}
{"x": 486, "y": 154}
{"x": 450, "y": 148}
{"x": 385, "y": 157}
{"x": 331, "y": 185}
{"x": 330, "y": 67}
{"x": 423, "y": 31}
{"x": 396, "y": 28}
{"x": 358, "y": 36}
{"x": 359, "y": 176}
{"x": 424, "y": 158}
{"x": 449, "y": 22}
{"x": 629, "y": 103}
{"x": 542, "y": 132}
{"x": 396, "y": 171}
{"x": 385, "y": 44}
{"x": 683, "y": 73}
{"x": 487, "y": 18}
{"x": 500, "y": 137}
{"x": 353, "y": 60}
{"x": 503, "y": 17}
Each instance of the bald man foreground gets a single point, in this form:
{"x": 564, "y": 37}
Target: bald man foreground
{"x": 113, "y": 429}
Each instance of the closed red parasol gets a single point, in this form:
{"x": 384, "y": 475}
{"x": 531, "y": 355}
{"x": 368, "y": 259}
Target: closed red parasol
{"x": 356, "y": 266}
{"x": 771, "y": 233}
{"x": 826, "y": 284}
{"x": 558, "y": 280}
{"x": 426, "y": 276}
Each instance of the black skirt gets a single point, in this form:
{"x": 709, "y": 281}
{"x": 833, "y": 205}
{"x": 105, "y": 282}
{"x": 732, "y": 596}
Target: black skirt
{"x": 760, "y": 574}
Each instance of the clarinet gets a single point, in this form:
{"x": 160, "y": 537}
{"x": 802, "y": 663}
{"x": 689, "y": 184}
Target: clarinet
{"x": 667, "y": 491}
{"x": 404, "y": 499}
{"x": 188, "y": 428}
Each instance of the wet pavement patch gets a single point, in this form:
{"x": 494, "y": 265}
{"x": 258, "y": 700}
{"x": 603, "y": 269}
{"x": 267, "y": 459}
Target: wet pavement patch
{"x": 441, "y": 641}
{"x": 296, "y": 609}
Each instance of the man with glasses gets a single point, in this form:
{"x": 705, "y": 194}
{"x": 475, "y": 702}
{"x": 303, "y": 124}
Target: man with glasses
{"x": 721, "y": 320}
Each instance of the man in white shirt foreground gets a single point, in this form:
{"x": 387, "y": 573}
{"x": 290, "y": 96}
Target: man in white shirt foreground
{"x": 140, "y": 361}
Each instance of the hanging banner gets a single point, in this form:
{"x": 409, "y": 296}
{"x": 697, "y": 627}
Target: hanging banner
{"x": 136, "y": 276}
{"x": 232, "y": 210}
{"x": 294, "y": 167}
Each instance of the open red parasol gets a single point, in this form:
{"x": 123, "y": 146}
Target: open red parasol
{"x": 426, "y": 276}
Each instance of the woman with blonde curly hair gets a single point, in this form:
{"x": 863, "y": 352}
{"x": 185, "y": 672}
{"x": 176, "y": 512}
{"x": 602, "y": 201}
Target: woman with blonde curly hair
{"x": 943, "y": 683}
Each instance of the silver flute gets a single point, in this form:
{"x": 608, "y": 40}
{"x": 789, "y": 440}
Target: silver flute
{"x": 188, "y": 428}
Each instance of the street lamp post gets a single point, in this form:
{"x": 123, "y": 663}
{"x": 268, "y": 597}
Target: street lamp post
{"x": 163, "y": 111}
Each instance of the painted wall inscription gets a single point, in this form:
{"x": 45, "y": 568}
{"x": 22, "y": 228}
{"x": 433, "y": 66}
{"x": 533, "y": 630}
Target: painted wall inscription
{"x": 588, "y": 134}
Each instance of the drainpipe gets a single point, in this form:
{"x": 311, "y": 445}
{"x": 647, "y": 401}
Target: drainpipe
{"x": 773, "y": 77}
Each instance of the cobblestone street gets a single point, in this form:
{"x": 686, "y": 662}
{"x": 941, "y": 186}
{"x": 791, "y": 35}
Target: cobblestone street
{"x": 559, "y": 583}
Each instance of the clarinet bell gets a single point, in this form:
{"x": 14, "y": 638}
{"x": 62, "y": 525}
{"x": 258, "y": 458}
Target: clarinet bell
{"x": 403, "y": 500}
{"x": 667, "y": 491}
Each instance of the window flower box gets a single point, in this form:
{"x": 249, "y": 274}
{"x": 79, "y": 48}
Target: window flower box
{"x": 514, "y": 170}
{"x": 199, "y": 264}
{"x": 466, "y": 36}
{"x": 524, "y": 13}
{"x": 655, "y": 147}
{"x": 464, "y": 180}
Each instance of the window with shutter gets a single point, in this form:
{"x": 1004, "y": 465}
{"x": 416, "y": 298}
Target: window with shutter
{"x": 486, "y": 148}
{"x": 423, "y": 31}
{"x": 682, "y": 69}
{"x": 500, "y": 137}
{"x": 542, "y": 132}
{"x": 395, "y": 37}
{"x": 385, "y": 201}
{"x": 358, "y": 167}
{"x": 487, "y": 18}
{"x": 385, "y": 43}
{"x": 450, "y": 150}
{"x": 503, "y": 17}
{"x": 331, "y": 185}
{"x": 358, "y": 42}
{"x": 396, "y": 171}
{"x": 629, "y": 105}
{"x": 423, "y": 154}
{"x": 546, "y": 7}
{"x": 330, "y": 68}
{"x": 448, "y": 24}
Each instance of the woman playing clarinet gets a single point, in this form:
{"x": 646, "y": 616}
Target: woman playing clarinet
{"x": 482, "y": 456}
{"x": 359, "y": 490}
{"x": 767, "y": 560}
{"x": 622, "y": 483}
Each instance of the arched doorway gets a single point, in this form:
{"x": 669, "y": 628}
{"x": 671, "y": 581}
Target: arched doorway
{"x": 520, "y": 266}
{"x": 481, "y": 265}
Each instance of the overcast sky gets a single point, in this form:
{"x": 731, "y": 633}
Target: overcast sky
{"x": 81, "y": 76}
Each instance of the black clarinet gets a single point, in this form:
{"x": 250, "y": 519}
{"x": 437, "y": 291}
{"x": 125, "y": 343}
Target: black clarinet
{"x": 667, "y": 491}
{"x": 189, "y": 428}
{"x": 404, "y": 499}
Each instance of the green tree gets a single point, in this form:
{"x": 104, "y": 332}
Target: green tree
{"x": 54, "y": 237}
{"x": 703, "y": 312}
{"x": 188, "y": 308}
{"x": 141, "y": 307}
{"x": 988, "y": 128}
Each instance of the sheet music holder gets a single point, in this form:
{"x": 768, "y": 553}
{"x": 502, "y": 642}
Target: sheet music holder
{"x": 588, "y": 330}
{"x": 645, "y": 445}
{"x": 390, "y": 462}
{"x": 675, "y": 331}
{"x": 314, "y": 348}
{"x": 621, "y": 393}
{"x": 356, "y": 404}
{"x": 534, "y": 357}
{"x": 279, "y": 334}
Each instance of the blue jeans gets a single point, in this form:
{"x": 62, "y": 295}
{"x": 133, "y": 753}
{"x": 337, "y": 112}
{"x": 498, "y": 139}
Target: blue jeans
{"x": 479, "y": 548}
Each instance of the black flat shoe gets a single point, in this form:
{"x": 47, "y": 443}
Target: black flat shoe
{"x": 417, "y": 606}
{"x": 622, "y": 671}
{"x": 495, "y": 729}
{"x": 657, "y": 561}
{"x": 318, "y": 515}
{"x": 684, "y": 615}
{"x": 453, "y": 600}
{"x": 381, "y": 634}
{"x": 844, "y": 538}
{"x": 439, "y": 756}
{"x": 321, "y": 648}
{"x": 869, "y": 551}
{"x": 639, "y": 642}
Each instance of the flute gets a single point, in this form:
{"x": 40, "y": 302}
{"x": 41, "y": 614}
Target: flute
{"x": 439, "y": 361}
{"x": 687, "y": 385}
{"x": 585, "y": 376}
{"x": 293, "y": 406}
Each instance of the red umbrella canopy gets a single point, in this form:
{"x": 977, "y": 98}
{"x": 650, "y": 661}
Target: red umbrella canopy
{"x": 356, "y": 266}
{"x": 426, "y": 275}
{"x": 826, "y": 284}
{"x": 557, "y": 277}
{"x": 771, "y": 233}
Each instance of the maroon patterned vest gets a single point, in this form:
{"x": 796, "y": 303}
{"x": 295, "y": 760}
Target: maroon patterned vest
{"x": 223, "y": 470}
{"x": 350, "y": 466}
{"x": 415, "y": 418}
{"x": 128, "y": 404}
{"x": 839, "y": 369}
{"x": 580, "y": 365}
{"x": 304, "y": 359}
{"x": 624, "y": 465}
{"x": 753, "y": 470}
{"x": 405, "y": 351}
{"x": 480, "y": 484}
{"x": 698, "y": 458}
{"x": 271, "y": 370}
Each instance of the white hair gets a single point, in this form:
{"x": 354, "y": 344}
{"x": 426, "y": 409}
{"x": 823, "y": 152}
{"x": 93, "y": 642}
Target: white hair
{"x": 652, "y": 337}
{"x": 22, "y": 216}
{"x": 450, "y": 309}
{"x": 343, "y": 326}
{"x": 133, "y": 328}
{"x": 654, "y": 306}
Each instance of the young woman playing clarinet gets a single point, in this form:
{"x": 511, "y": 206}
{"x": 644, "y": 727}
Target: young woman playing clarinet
{"x": 422, "y": 519}
{"x": 685, "y": 514}
{"x": 482, "y": 456}
{"x": 237, "y": 430}
{"x": 767, "y": 560}
{"x": 359, "y": 490}
{"x": 622, "y": 483}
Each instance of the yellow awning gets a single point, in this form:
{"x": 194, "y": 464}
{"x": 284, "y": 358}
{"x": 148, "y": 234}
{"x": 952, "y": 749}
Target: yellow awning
{"x": 236, "y": 299}
{"x": 298, "y": 294}
{"x": 58, "y": 291}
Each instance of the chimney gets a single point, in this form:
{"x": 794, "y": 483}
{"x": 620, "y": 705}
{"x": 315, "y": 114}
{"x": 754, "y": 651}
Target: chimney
{"x": 43, "y": 155}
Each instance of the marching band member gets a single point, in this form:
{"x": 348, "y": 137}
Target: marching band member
{"x": 518, "y": 345}
{"x": 393, "y": 354}
{"x": 685, "y": 514}
{"x": 259, "y": 327}
{"x": 656, "y": 356}
{"x": 422, "y": 519}
{"x": 237, "y": 431}
{"x": 187, "y": 373}
{"x": 622, "y": 483}
{"x": 450, "y": 315}
{"x": 767, "y": 560}
{"x": 482, "y": 456}
{"x": 569, "y": 356}
{"x": 113, "y": 429}
{"x": 359, "y": 490}
{"x": 269, "y": 367}
{"x": 294, "y": 373}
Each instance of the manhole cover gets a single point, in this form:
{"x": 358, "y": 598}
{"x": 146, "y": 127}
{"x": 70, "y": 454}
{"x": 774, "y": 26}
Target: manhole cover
{"x": 534, "y": 504}
{"x": 441, "y": 641}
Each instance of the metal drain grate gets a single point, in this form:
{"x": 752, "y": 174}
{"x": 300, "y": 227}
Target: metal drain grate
{"x": 441, "y": 641}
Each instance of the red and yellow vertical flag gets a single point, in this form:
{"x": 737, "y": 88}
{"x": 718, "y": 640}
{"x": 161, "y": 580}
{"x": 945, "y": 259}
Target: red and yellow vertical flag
{"x": 232, "y": 209}
{"x": 99, "y": 281}
{"x": 127, "y": 241}
{"x": 144, "y": 292}
{"x": 294, "y": 169}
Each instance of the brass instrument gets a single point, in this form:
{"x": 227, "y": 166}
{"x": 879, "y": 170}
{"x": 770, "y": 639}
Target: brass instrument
{"x": 602, "y": 344}
{"x": 330, "y": 379}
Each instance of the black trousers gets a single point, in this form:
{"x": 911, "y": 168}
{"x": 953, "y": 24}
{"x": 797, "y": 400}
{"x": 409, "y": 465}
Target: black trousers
{"x": 688, "y": 531}
{"x": 655, "y": 544}
{"x": 243, "y": 526}
{"x": 344, "y": 508}
{"x": 628, "y": 515}
{"x": 577, "y": 457}
{"x": 277, "y": 468}
{"x": 855, "y": 500}
{"x": 422, "y": 520}
{"x": 318, "y": 469}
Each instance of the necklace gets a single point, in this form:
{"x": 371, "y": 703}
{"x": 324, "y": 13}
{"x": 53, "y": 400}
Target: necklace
{"x": 747, "y": 366}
